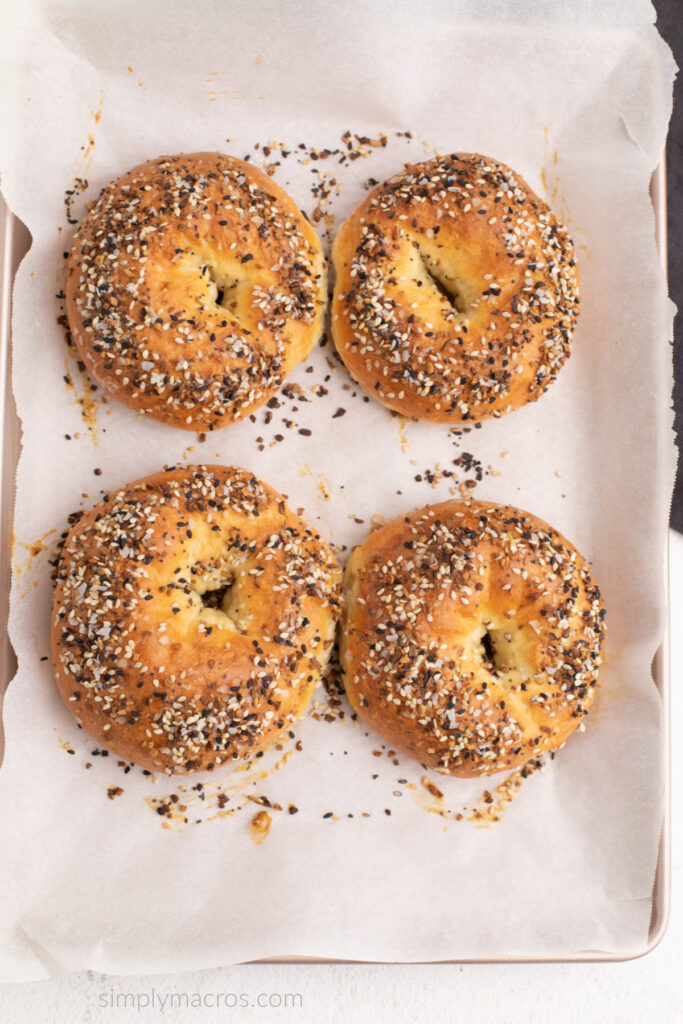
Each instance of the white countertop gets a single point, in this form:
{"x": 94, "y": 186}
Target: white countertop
{"x": 648, "y": 989}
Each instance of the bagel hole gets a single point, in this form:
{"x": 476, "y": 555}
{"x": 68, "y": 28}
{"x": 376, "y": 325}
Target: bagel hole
{"x": 225, "y": 288}
{"x": 501, "y": 650}
{"x": 489, "y": 649}
{"x": 448, "y": 289}
{"x": 218, "y": 597}
{"x": 496, "y": 647}
{"x": 451, "y": 294}
{"x": 226, "y": 294}
{"x": 221, "y": 601}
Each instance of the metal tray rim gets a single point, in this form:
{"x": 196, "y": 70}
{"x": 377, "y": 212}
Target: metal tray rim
{"x": 13, "y": 246}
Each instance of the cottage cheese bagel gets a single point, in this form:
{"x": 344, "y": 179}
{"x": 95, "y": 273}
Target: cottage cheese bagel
{"x": 195, "y": 285}
{"x": 193, "y": 616}
{"x": 456, "y": 291}
{"x": 472, "y": 636}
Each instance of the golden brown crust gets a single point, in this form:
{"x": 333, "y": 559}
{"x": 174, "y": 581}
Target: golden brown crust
{"x": 456, "y": 291}
{"x": 195, "y": 285}
{"x": 192, "y": 618}
{"x": 472, "y": 636}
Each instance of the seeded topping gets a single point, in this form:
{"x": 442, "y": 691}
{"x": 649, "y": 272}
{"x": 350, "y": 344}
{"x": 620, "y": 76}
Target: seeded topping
{"x": 192, "y": 618}
{"x": 473, "y": 636}
{"x": 195, "y": 285}
{"x": 456, "y": 293}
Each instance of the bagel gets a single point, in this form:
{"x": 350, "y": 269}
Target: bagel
{"x": 456, "y": 291}
{"x": 472, "y": 636}
{"x": 194, "y": 287}
{"x": 193, "y": 616}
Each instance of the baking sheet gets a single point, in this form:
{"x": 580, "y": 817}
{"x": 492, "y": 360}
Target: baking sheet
{"x": 378, "y": 862}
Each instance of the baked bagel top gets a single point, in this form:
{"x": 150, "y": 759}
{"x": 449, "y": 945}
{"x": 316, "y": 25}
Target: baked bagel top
{"x": 472, "y": 636}
{"x": 194, "y": 286}
{"x": 192, "y": 617}
{"x": 456, "y": 291}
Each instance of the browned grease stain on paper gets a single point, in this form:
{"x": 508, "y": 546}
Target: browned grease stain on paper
{"x": 64, "y": 744}
{"x": 260, "y": 827}
{"x": 403, "y": 440}
{"x": 85, "y": 393}
{"x": 554, "y": 195}
{"x": 217, "y": 78}
{"x": 549, "y": 177}
{"x": 140, "y": 84}
{"x": 492, "y": 803}
{"x": 190, "y": 804}
{"x": 319, "y": 479}
{"x": 96, "y": 115}
{"x": 429, "y": 799}
{"x": 486, "y": 809}
{"x": 35, "y": 549}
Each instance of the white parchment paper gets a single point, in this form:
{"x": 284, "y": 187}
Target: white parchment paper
{"x": 576, "y": 97}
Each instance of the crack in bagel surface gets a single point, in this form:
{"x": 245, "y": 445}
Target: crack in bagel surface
{"x": 138, "y": 644}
